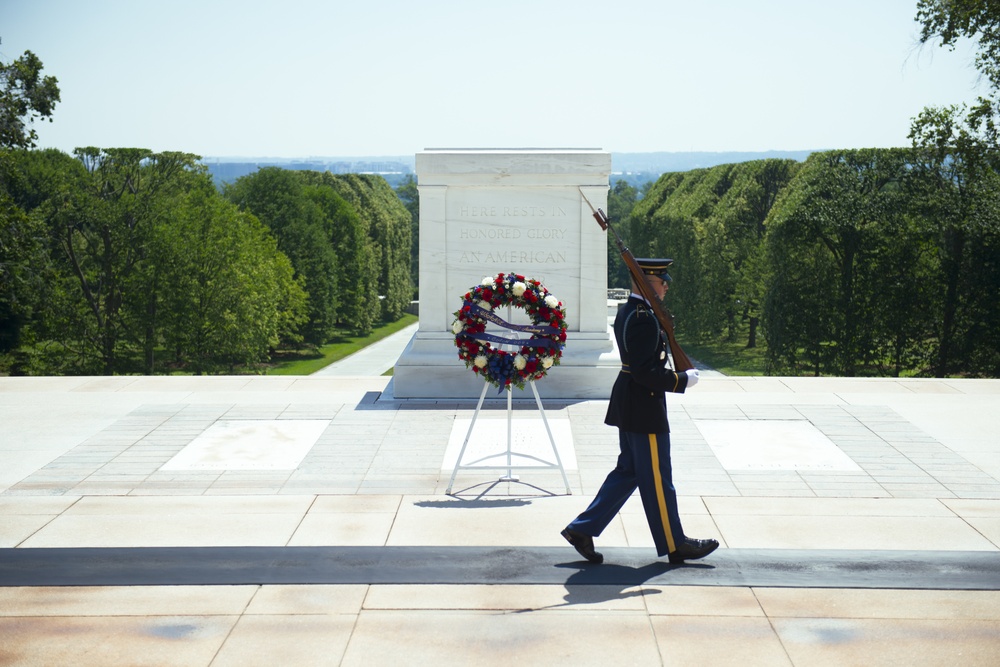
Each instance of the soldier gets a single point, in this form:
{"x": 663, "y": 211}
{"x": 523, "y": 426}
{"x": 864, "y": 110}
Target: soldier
{"x": 638, "y": 408}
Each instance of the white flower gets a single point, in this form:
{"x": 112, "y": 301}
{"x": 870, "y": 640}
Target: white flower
{"x": 456, "y": 327}
{"x": 518, "y": 288}
{"x": 520, "y": 362}
{"x": 547, "y": 362}
{"x": 485, "y": 305}
{"x": 480, "y": 361}
{"x": 551, "y": 301}
{"x": 488, "y": 281}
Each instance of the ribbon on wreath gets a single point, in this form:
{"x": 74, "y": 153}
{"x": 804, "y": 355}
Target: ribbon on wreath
{"x": 502, "y": 368}
{"x": 521, "y": 342}
{"x": 490, "y": 316}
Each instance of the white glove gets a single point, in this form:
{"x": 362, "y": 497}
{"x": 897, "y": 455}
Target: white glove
{"x": 693, "y": 377}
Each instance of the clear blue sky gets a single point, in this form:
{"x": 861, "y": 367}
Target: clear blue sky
{"x": 367, "y": 77}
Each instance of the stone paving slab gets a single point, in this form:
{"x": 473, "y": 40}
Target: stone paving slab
{"x": 365, "y": 449}
{"x": 412, "y": 520}
{"x": 431, "y": 625}
{"x": 83, "y": 465}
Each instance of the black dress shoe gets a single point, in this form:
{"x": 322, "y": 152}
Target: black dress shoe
{"x": 691, "y": 549}
{"x": 584, "y": 544}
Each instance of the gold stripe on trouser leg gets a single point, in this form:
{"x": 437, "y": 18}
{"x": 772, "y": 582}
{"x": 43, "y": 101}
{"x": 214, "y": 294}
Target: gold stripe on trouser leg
{"x": 654, "y": 455}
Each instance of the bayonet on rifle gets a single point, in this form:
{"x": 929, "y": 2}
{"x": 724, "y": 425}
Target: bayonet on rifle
{"x": 681, "y": 361}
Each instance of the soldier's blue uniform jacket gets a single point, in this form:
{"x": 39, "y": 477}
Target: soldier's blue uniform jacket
{"x": 638, "y": 398}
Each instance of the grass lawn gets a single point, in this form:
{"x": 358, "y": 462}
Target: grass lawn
{"x": 729, "y": 358}
{"x": 308, "y": 362}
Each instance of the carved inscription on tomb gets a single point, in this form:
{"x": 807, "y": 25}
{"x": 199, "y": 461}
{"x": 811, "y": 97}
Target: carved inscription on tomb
{"x": 505, "y": 234}
{"x": 494, "y": 211}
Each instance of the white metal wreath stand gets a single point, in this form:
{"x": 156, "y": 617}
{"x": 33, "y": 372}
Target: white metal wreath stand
{"x": 509, "y": 453}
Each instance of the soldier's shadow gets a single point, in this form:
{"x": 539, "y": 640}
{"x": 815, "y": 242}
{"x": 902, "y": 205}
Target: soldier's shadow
{"x": 595, "y": 584}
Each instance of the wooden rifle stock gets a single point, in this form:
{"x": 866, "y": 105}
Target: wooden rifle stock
{"x": 681, "y": 361}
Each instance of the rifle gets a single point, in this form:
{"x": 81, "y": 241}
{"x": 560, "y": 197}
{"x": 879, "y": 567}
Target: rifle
{"x": 681, "y": 361}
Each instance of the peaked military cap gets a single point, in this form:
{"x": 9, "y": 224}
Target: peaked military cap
{"x": 655, "y": 267}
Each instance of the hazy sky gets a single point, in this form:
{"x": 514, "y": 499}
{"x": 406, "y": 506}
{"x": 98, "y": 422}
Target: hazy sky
{"x": 367, "y": 77}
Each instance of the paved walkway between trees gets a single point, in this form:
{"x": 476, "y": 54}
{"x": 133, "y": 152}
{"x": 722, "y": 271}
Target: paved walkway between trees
{"x": 304, "y": 520}
{"x": 374, "y": 359}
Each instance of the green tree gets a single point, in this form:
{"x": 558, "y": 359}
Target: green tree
{"x": 105, "y": 233}
{"x": 279, "y": 199}
{"x": 357, "y": 298}
{"x": 962, "y": 145}
{"x": 15, "y": 239}
{"x": 410, "y": 196}
{"x": 621, "y": 200}
{"x": 979, "y": 20}
{"x": 673, "y": 221}
{"x": 137, "y": 248}
{"x": 799, "y": 307}
{"x": 228, "y": 293}
{"x": 25, "y": 96}
{"x": 388, "y": 225}
{"x": 958, "y": 195}
{"x": 21, "y": 246}
{"x": 348, "y": 236}
{"x": 744, "y": 210}
{"x": 34, "y": 281}
{"x": 843, "y": 229}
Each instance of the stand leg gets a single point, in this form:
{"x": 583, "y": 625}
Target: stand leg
{"x": 461, "y": 454}
{"x": 510, "y": 476}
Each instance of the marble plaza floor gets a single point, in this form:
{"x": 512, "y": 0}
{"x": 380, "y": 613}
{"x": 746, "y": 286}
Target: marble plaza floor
{"x": 305, "y": 521}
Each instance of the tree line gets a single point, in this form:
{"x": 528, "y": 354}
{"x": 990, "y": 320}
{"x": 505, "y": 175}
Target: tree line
{"x": 876, "y": 262}
{"x": 854, "y": 262}
{"x": 124, "y": 260}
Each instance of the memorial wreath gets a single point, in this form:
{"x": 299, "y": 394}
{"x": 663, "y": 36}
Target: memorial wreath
{"x": 532, "y": 357}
